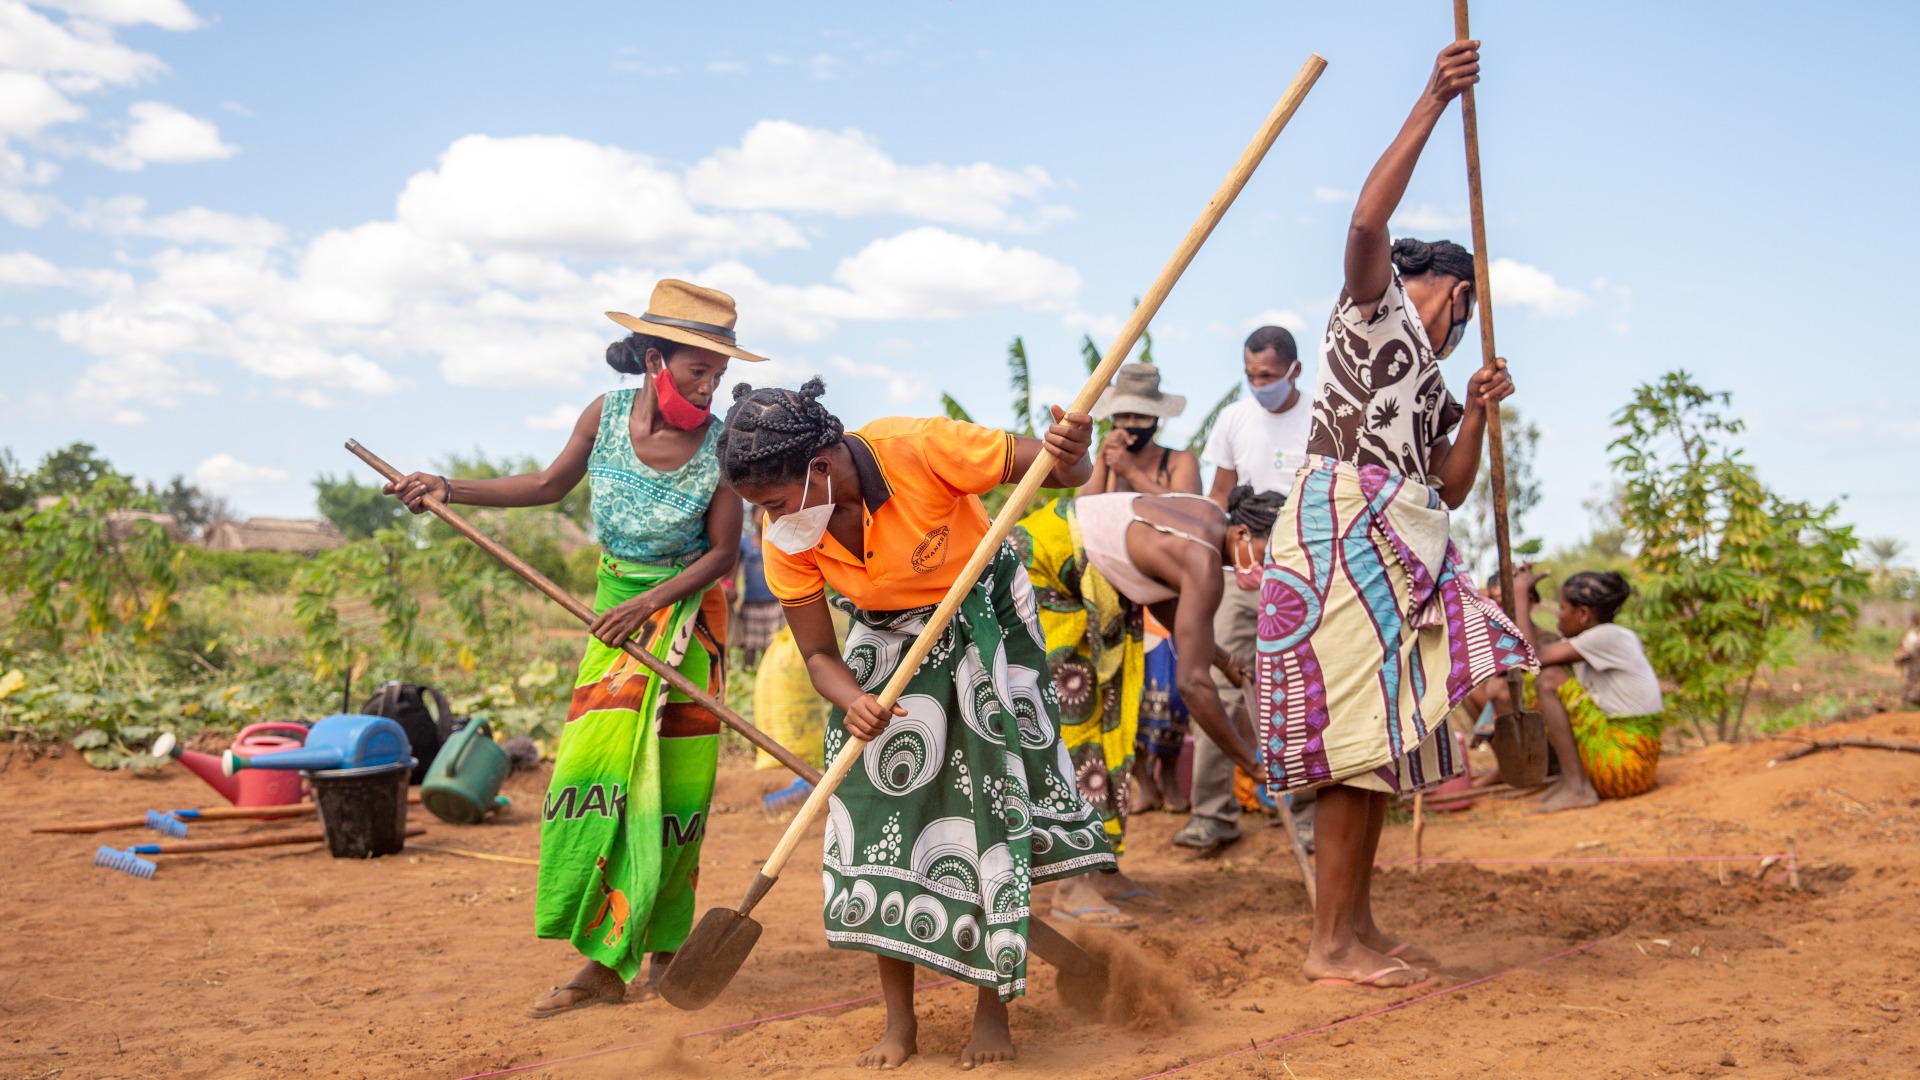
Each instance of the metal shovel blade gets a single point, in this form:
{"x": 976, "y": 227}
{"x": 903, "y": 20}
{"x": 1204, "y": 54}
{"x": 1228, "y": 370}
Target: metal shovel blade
{"x": 709, "y": 959}
{"x": 1057, "y": 949}
{"x": 1520, "y": 746}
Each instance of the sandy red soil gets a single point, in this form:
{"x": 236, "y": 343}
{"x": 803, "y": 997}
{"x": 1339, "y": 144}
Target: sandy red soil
{"x": 283, "y": 962}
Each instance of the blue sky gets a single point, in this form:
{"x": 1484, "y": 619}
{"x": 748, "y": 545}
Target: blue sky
{"x": 232, "y": 236}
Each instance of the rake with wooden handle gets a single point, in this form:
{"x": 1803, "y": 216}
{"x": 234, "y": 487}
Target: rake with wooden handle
{"x": 722, "y": 940}
{"x": 578, "y": 610}
{"x": 1519, "y": 735}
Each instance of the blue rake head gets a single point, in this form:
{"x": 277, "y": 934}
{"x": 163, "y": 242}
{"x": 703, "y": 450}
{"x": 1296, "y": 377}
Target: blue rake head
{"x": 166, "y": 824}
{"x": 124, "y": 861}
{"x": 787, "y": 799}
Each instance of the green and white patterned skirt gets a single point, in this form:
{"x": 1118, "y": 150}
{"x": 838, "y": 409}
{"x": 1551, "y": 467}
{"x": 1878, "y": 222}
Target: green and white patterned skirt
{"x": 935, "y": 840}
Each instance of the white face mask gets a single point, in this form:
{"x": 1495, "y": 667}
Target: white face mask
{"x": 802, "y": 529}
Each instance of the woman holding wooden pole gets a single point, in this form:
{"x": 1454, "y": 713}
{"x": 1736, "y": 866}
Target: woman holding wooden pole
{"x": 1370, "y": 629}
{"x": 632, "y": 779}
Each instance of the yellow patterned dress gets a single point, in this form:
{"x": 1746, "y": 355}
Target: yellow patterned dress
{"x": 1096, "y": 649}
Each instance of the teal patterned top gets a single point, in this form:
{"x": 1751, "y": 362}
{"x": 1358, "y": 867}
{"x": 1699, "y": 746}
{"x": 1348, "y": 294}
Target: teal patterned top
{"x": 641, "y": 513}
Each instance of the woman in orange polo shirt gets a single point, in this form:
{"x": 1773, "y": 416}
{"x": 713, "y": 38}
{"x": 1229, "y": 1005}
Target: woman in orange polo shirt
{"x": 966, "y": 796}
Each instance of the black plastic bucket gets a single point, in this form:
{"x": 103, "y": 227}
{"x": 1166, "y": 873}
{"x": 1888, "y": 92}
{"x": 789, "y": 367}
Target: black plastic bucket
{"x": 364, "y": 811}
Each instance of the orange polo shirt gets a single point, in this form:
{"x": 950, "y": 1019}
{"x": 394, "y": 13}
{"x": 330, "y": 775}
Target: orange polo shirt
{"x": 921, "y": 481}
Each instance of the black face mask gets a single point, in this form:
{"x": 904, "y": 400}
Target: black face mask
{"x": 1139, "y": 438}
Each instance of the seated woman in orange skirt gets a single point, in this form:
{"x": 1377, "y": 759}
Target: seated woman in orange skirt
{"x": 1600, "y": 695}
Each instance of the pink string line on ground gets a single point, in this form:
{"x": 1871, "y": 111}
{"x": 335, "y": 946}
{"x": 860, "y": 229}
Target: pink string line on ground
{"x": 1784, "y": 859}
{"x": 1382, "y": 1011}
{"x": 691, "y": 1034}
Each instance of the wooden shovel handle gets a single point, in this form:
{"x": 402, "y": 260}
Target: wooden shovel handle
{"x": 578, "y": 610}
{"x": 1483, "y": 291}
{"x": 235, "y": 843}
{"x": 1016, "y": 504}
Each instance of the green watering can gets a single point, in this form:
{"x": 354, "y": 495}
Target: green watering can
{"x": 463, "y": 785}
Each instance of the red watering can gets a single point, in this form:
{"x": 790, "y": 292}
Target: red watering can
{"x": 263, "y": 787}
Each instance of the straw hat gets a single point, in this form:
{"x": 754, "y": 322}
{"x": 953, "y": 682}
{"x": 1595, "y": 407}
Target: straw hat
{"x": 1136, "y": 389}
{"x": 683, "y": 312}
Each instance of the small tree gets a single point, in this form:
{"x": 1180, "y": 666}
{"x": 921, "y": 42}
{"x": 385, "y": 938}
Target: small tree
{"x": 1724, "y": 568}
{"x": 83, "y": 560}
{"x": 357, "y": 510}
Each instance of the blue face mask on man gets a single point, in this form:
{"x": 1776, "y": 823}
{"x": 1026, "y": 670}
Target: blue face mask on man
{"x": 1274, "y": 394}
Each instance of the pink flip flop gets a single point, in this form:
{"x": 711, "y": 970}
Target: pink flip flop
{"x": 1372, "y": 981}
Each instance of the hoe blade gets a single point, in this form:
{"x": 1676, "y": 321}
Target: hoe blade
{"x": 709, "y": 959}
{"x": 1057, "y": 949}
{"x": 1520, "y": 746}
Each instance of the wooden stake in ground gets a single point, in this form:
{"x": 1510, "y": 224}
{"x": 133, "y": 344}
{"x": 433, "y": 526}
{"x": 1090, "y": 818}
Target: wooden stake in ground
{"x": 1419, "y": 827}
{"x": 668, "y": 674}
{"x": 723, "y": 938}
{"x": 1814, "y": 746}
{"x": 1300, "y": 854}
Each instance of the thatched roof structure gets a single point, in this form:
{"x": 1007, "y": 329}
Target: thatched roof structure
{"x": 274, "y": 534}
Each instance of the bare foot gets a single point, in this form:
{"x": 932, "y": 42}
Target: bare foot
{"x": 1394, "y": 949}
{"x": 1169, "y": 785}
{"x": 1357, "y": 963}
{"x": 1144, "y": 798}
{"x": 894, "y": 1048}
{"x": 1564, "y": 795}
{"x": 591, "y": 985}
{"x": 991, "y": 1041}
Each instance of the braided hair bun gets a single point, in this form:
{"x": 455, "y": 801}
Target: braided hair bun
{"x": 1256, "y": 511}
{"x": 1416, "y": 257}
{"x": 1599, "y": 591}
{"x": 772, "y": 433}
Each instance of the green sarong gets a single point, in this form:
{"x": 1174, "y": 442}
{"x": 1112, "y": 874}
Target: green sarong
{"x": 627, "y": 808}
{"x": 935, "y": 840}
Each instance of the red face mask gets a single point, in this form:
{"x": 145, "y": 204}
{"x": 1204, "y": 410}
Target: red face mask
{"x": 678, "y": 411}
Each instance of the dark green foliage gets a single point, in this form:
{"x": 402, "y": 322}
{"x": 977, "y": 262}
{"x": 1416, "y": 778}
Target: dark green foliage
{"x": 357, "y": 510}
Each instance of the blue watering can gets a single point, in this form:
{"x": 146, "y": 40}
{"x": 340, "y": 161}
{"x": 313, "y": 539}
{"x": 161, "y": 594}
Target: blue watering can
{"x": 343, "y": 741}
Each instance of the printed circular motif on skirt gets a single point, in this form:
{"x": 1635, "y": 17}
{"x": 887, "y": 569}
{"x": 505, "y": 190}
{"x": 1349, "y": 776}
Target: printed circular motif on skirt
{"x": 998, "y": 888}
{"x": 893, "y": 909}
{"x": 947, "y": 853}
{"x": 926, "y": 918}
{"x": 860, "y": 904}
{"x": 908, "y": 755}
{"x": 871, "y": 655}
{"x": 980, "y": 704}
{"x": 1027, "y": 605}
{"x": 1029, "y": 713}
{"x": 1073, "y": 680}
{"x": 1289, "y": 609}
{"x": 1007, "y": 949}
{"x": 838, "y": 849}
{"x": 966, "y": 933}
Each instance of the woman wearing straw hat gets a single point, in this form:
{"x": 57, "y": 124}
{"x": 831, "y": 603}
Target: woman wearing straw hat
{"x": 627, "y": 807}
{"x": 1129, "y": 458}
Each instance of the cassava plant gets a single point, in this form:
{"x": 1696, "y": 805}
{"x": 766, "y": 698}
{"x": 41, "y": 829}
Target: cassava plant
{"x": 1724, "y": 568}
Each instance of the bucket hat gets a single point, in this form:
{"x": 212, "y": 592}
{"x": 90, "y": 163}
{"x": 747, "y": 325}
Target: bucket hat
{"x": 684, "y": 312}
{"x": 1136, "y": 389}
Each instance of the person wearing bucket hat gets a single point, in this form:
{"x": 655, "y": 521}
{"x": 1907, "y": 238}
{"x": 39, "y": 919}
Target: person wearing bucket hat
{"x": 633, "y": 775}
{"x": 1129, "y": 458}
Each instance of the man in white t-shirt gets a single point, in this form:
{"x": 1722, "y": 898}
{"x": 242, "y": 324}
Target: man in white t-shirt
{"x": 1260, "y": 440}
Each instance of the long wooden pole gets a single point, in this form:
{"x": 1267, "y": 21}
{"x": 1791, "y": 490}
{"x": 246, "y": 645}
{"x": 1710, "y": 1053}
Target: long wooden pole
{"x": 580, "y": 611}
{"x": 1016, "y": 503}
{"x": 1483, "y": 291}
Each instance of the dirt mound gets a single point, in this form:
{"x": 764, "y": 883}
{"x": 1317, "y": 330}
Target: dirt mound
{"x": 284, "y": 962}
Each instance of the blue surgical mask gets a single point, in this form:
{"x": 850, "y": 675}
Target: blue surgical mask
{"x": 1274, "y": 394}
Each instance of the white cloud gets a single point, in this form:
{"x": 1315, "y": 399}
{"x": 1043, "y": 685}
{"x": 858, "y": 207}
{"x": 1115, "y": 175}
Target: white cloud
{"x": 26, "y": 268}
{"x": 125, "y": 215}
{"x": 1102, "y": 328}
{"x": 224, "y": 474}
{"x": 1333, "y": 195}
{"x": 1286, "y": 317}
{"x": 166, "y": 14}
{"x": 900, "y": 386}
{"x": 781, "y": 165}
{"x": 558, "y": 418}
{"x": 551, "y": 194}
{"x": 1516, "y": 283}
{"x": 1426, "y": 218}
{"x": 28, "y": 103}
{"x": 823, "y": 66}
{"x": 163, "y": 135}
{"x": 930, "y": 273}
{"x": 113, "y": 391}
{"x": 29, "y": 41}
{"x": 726, "y": 67}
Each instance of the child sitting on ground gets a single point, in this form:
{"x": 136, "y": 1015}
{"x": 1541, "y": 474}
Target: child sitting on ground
{"x": 1600, "y": 695}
